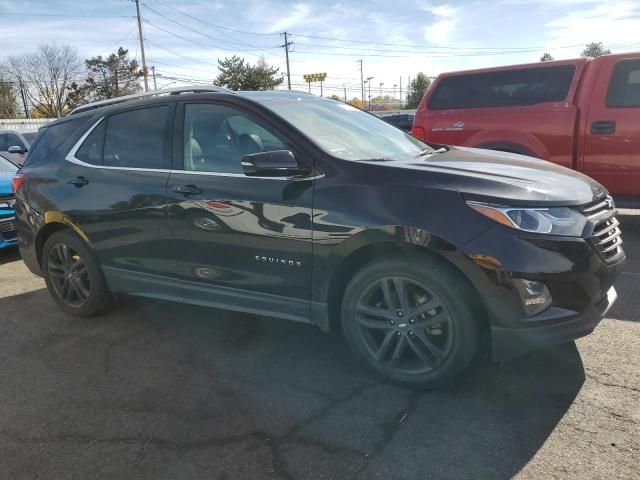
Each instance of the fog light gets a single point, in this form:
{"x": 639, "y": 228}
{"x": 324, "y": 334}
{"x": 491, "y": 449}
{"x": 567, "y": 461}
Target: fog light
{"x": 535, "y": 296}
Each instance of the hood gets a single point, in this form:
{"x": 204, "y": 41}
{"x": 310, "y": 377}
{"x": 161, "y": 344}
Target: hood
{"x": 506, "y": 178}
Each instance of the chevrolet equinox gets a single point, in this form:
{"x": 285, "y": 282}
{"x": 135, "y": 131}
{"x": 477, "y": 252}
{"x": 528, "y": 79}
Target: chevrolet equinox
{"x": 303, "y": 208}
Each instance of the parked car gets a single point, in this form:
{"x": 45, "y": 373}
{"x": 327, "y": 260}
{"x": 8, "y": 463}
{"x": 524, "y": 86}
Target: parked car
{"x": 14, "y": 146}
{"x": 403, "y": 121}
{"x": 8, "y": 236}
{"x": 583, "y": 114}
{"x": 293, "y": 206}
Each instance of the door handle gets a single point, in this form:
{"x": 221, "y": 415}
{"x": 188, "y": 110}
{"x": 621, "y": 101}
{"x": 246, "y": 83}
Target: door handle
{"x": 78, "y": 181}
{"x": 603, "y": 127}
{"x": 187, "y": 190}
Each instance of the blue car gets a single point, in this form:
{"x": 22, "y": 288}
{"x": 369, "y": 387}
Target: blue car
{"x": 8, "y": 235}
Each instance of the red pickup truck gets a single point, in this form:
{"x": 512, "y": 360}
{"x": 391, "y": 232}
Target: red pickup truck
{"x": 583, "y": 114}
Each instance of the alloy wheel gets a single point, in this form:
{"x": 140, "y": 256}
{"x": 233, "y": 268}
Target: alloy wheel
{"x": 404, "y": 325}
{"x": 69, "y": 275}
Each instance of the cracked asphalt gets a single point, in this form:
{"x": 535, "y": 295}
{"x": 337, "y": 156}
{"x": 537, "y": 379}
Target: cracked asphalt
{"x": 164, "y": 391}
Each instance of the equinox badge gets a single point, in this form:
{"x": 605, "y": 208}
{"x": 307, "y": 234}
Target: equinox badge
{"x": 280, "y": 261}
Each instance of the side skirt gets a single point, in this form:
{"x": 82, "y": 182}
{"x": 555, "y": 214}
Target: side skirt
{"x": 214, "y": 296}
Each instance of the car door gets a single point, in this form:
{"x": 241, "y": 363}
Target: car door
{"x": 114, "y": 190}
{"x": 612, "y": 138}
{"x": 239, "y": 241}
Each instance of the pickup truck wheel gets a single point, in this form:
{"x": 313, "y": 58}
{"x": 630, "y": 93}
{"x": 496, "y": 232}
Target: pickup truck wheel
{"x": 73, "y": 276}
{"x": 409, "y": 320}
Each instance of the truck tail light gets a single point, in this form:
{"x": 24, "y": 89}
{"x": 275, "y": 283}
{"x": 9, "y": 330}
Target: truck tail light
{"x": 16, "y": 183}
{"x": 418, "y": 132}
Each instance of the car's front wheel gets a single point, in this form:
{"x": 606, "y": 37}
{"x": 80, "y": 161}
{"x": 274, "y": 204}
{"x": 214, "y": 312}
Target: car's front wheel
{"x": 73, "y": 276}
{"x": 410, "y": 319}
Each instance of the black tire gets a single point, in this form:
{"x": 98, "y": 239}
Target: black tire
{"x": 73, "y": 276}
{"x": 437, "y": 328}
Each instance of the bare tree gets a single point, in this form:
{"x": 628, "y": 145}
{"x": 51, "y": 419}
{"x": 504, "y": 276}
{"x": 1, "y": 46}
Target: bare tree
{"x": 46, "y": 76}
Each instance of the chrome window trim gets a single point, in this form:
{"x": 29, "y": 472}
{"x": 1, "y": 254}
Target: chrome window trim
{"x": 71, "y": 157}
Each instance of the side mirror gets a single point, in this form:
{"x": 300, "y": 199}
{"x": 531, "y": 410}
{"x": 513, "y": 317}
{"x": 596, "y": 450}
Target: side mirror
{"x": 277, "y": 163}
{"x": 16, "y": 149}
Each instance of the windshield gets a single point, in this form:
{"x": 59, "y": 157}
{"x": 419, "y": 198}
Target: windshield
{"x": 346, "y": 132}
{"x": 6, "y": 166}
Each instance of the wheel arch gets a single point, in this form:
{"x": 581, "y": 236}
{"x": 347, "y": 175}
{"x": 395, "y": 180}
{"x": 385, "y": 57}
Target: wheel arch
{"x": 513, "y": 141}
{"x": 46, "y": 231}
{"x": 362, "y": 256}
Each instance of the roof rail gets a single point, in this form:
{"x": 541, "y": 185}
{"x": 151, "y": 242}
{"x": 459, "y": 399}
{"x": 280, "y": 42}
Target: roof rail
{"x": 152, "y": 93}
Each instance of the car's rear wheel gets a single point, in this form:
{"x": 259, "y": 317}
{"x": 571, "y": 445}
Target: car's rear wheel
{"x": 73, "y": 276}
{"x": 411, "y": 320}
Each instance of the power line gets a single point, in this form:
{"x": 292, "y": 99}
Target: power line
{"x": 432, "y": 46}
{"x": 186, "y": 27}
{"x": 175, "y": 65}
{"x": 66, "y": 15}
{"x": 196, "y": 42}
{"x": 179, "y": 54}
{"x": 169, "y": 6}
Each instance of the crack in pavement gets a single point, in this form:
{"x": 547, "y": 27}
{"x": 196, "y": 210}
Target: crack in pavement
{"x": 390, "y": 429}
{"x": 273, "y": 442}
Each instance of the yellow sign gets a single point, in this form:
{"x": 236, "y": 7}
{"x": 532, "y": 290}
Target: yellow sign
{"x": 315, "y": 77}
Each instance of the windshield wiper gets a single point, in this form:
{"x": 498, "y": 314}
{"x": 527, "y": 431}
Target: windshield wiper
{"x": 428, "y": 151}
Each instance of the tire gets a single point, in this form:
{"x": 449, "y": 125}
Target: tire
{"x": 434, "y": 323}
{"x": 73, "y": 276}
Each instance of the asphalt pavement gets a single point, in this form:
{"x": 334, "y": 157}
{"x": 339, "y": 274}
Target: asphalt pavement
{"x": 155, "y": 390}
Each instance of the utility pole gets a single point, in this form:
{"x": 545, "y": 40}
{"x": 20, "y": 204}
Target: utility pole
{"x": 321, "y": 92}
{"x": 345, "y": 92}
{"x": 400, "y": 91}
{"x": 286, "y": 52}
{"x": 369, "y": 80}
{"x": 24, "y": 99}
{"x": 381, "y": 90}
{"x": 362, "y": 84}
{"x": 153, "y": 71}
{"x": 144, "y": 59}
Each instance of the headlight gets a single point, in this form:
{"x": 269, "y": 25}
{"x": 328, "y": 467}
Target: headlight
{"x": 552, "y": 221}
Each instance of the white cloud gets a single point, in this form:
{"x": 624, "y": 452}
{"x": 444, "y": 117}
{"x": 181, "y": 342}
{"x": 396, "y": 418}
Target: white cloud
{"x": 441, "y": 31}
{"x": 299, "y": 14}
{"x": 610, "y": 22}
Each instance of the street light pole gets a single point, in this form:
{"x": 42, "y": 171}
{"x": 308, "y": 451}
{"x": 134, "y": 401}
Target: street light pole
{"x": 381, "y": 90}
{"x": 369, "y": 80}
{"x": 394, "y": 91}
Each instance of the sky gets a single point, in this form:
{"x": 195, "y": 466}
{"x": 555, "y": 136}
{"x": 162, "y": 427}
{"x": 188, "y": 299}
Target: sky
{"x": 395, "y": 39}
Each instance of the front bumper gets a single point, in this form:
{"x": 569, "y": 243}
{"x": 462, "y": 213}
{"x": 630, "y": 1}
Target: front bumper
{"x": 561, "y": 326}
{"x": 8, "y": 235}
{"x": 579, "y": 279}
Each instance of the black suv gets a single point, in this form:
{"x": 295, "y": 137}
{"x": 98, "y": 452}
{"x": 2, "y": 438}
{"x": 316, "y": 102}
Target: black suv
{"x": 304, "y": 208}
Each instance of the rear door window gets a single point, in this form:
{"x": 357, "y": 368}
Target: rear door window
{"x": 624, "y": 86}
{"x": 509, "y": 88}
{"x": 138, "y": 139}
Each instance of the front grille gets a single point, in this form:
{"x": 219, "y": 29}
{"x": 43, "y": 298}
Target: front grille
{"x": 606, "y": 236}
{"x": 7, "y": 225}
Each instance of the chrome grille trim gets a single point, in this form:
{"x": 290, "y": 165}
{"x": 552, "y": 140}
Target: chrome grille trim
{"x": 597, "y": 206}
{"x": 606, "y": 237}
{"x": 7, "y": 224}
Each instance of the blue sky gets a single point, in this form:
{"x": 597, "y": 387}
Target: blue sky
{"x": 395, "y": 38}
